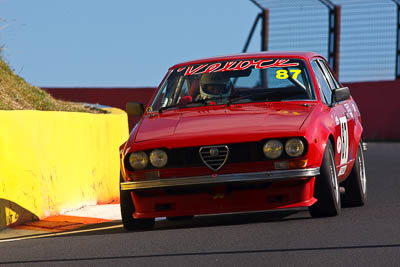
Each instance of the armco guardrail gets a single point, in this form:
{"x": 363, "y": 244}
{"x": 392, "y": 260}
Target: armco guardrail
{"x": 378, "y": 102}
{"x": 53, "y": 162}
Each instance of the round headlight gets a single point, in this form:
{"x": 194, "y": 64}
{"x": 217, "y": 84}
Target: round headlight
{"x": 138, "y": 160}
{"x": 273, "y": 149}
{"x": 294, "y": 147}
{"x": 158, "y": 158}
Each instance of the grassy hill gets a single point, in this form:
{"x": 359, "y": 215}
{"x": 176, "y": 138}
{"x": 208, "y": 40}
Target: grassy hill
{"x": 17, "y": 94}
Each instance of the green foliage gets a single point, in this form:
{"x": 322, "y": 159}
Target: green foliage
{"x": 17, "y": 94}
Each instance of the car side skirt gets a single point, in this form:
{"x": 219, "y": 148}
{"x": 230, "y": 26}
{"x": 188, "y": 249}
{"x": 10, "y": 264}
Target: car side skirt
{"x": 268, "y": 176}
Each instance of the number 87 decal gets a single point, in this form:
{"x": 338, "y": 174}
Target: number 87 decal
{"x": 284, "y": 74}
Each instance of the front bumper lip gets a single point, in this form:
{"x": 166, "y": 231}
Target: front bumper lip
{"x": 268, "y": 176}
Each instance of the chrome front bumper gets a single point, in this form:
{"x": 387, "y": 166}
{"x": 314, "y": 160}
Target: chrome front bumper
{"x": 269, "y": 176}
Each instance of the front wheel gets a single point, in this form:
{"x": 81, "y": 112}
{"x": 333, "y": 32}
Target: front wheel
{"x": 356, "y": 184}
{"x": 326, "y": 188}
{"x": 127, "y": 210}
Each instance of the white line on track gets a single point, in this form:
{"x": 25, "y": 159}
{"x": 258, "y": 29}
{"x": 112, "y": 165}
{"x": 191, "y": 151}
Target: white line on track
{"x": 60, "y": 233}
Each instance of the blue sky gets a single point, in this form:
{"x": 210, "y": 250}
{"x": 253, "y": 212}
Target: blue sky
{"x": 127, "y": 43}
{"x": 121, "y": 43}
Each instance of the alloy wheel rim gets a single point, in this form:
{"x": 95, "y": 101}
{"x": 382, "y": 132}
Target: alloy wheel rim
{"x": 363, "y": 177}
{"x": 334, "y": 180}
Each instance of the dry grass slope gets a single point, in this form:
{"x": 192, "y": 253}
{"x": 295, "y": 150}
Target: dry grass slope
{"x": 17, "y": 94}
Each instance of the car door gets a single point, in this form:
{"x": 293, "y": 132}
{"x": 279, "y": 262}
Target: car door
{"x": 344, "y": 125}
{"x": 349, "y": 154}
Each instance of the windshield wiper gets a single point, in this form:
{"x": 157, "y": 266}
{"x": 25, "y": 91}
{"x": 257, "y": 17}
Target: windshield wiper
{"x": 180, "y": 105}
{"x": 206, "y": 101}
{"x": 203, "y": 102}
{"x": 176, "y": 106}
{"x": 200, "y": 101}
{"x": 254, "y": 96}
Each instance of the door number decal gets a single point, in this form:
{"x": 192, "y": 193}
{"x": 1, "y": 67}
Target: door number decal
{"x": 345, "y": 140}
{"x": 339, "y": 144}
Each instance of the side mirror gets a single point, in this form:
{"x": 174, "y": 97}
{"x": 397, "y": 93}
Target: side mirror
{"x": 133, "y": 108}
{"x": 340, "y": 94}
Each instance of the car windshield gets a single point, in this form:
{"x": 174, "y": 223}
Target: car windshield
{"x": 232, "y": 82}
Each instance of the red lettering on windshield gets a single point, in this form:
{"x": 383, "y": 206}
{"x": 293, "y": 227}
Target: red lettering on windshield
{"x": 243, "y": 65}
{"x": 240, "y": 65}
{"x": 190, "y": 70}
{"x": 212, "y": 67}
{"x": 279, "y": 63}
{"x": 227, "y": 66}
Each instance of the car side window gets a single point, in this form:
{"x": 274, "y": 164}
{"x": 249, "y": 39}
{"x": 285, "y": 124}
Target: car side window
{"x": 323, "y": 85}
{"x": 331, "y": 78}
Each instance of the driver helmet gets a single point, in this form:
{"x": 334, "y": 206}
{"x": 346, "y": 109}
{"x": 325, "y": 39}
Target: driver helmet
{"x": 214, "y": 85}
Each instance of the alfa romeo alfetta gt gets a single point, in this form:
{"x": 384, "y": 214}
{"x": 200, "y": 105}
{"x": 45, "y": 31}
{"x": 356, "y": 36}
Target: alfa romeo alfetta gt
{"x": 247, "y": 132}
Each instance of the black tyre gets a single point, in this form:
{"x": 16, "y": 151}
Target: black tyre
{"x": 180, "y": 218}
{"x": 127, "y": 209}
{"x": 326, "y": 189}
{"x": 356, "y": 184}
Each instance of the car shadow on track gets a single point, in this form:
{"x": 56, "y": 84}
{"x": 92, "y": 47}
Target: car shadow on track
{"x": 162, "y": 224}
{"x": 200, "y": 221}
{"x": 231, "y": 219}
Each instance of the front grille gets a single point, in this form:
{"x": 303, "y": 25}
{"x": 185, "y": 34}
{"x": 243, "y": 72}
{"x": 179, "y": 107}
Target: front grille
{"x": 214, "y": 157}
{"x": 238, "y": 152}
{"x": 189, "y": 157}
{"x": 184, "y": 157}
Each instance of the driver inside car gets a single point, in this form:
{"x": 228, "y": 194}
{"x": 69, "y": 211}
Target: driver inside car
{"x": 214, "y": 85}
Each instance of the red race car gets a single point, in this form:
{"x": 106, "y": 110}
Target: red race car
{"x": 245, "y": 132}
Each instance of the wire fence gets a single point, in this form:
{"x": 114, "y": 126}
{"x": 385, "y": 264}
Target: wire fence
{"x": 367, "y": 40}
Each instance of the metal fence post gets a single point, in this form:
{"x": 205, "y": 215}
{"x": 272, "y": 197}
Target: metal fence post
{"x": 264, "y": 15}
{"x": 265, "y": 30}
{"x": 259, "y": 16}
{"x": 397, "y": 2}
{"x": 333, "y": 34}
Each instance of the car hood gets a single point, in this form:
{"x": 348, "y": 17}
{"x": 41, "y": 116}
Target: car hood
{"x": 243, "y": 119}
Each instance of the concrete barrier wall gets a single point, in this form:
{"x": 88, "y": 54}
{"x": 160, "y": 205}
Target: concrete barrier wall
{"x": 114, "y": 97}
{"x": 378, "y": 102}
{"x": 380, "y": 108}
{"x": 53, "y": 162}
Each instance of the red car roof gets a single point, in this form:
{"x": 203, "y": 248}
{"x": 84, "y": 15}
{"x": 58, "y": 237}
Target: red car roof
{"x": 277, "y": 54}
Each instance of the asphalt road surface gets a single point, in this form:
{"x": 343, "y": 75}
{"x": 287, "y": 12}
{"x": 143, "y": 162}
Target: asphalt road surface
{"x": 366, "y": 236}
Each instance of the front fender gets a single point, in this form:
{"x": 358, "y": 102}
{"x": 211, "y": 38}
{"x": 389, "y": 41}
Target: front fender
{"x": 319, "y": 129}
{"x": 358, "y": 130}
{"x": 125, "y": 147}
{"x": 317, "y": 140}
